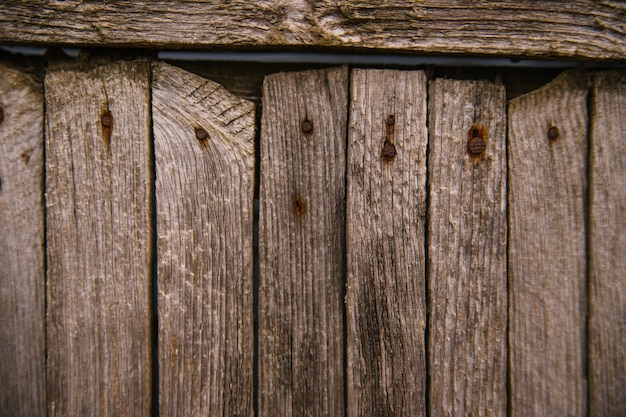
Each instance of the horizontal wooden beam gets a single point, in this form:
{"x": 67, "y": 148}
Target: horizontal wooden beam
{"x": 578, "y": 29}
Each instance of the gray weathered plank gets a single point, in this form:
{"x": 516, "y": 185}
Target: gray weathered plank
{"x": 204, "y": 195}
{"x": 22, "y": 253}
{"x": 302, "y": 243}
{"x": 386, "y": 209}
{"x": 467, "y": 236}
{"x": 607, "y": 246}
{"x": 578, "y": 29}
{"x": 99, "y": 238}
{"x": 547, "y": 266}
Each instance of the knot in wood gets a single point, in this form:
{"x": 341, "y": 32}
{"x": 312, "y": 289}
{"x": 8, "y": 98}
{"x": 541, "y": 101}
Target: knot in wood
{"x": 476, "y": 145}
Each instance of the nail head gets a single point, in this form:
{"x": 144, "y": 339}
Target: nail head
{"x": 106, "y": 120}
{"x": 476, "y": 145}
{"x": 553, "y": 133}
{"x": 307, "y": 126}
{"x": 389, "y": 151}
{"x": 201, "y": 134}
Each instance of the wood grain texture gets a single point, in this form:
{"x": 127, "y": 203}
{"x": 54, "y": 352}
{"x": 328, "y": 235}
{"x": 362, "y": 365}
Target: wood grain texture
{"x": 607, "y": 246}
{"x": 467, "y": 233}
{"x": 204, "y": 194}
{"x": 302, "y": 244}
{"x": 547, "y": 264}
{"x": 22, "y": 252}
{"x": 578, "y": 29}
{"x": 386, "y": 209}
{"x": 99, "y": 239}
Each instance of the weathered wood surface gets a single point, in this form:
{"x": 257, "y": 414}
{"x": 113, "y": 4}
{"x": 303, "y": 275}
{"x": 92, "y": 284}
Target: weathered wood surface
{"x": 578, "y": 29}
{"x": 607, "y": 246}
{"x": 547, "y": 265}
{"x": 22, "y": 250}
{"x": 386, "y": 209}
{"x": 204, "y": 193}
{"x": 467, "y": 233}
{"x": 302, "y": 243}
{"x": 99, "y": 238}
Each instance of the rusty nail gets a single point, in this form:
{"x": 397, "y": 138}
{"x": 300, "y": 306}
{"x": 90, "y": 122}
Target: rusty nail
{"x": 553, "y": 133}
{"x": 299, "y": 206}
{"x": 307, "y": 126}
{"x": 201, "y": 134}
{"x": 106, "y": 120}
{"x": 389, "y": 151}
{"x": 476, "y": 145}
{"x": 391, "y": 120}
{"x": 1, "y": 115}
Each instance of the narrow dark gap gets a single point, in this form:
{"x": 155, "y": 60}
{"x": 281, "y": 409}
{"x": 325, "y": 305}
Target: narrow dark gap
{"x": 587, "y": 228}
{"x": 345, "y": 251}
{"x": 154, "y": 266}
{"x": 45, "y": 245}
{"x": 255, "y": 261}
{"x": 509, "y": 409}
{"x": 426, "y": 258}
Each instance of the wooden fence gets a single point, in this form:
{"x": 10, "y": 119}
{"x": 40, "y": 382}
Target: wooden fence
{"x": 424, "y": 247}
{"x": 350, "y": 242}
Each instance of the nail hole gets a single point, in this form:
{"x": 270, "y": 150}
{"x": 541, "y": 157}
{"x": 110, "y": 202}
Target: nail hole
{"x": 25, "y": 157}
{"x": 553, "y": 133}
{"x": 201, "y": 134}
{"x": 307, "y": 126}
{"x": 391, "y": 120}
{"x": 299, "y": 206}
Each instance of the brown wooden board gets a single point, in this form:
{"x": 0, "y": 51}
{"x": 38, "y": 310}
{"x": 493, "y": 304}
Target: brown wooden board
{"x": 99, "y": 238}
{"x": 386, "y": 209}
{"x": 576, "y": 29}
{"x": 607, "y": 246}
{"x": 547, "y": 149}
{"x": 467, "y": 232}
{"x": 204, "y": 146}
{"x": 22, "y": 250}
{"x": 302, "y": 243}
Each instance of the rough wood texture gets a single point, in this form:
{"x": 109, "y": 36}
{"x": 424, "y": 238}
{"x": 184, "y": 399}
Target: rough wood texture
{"x": 22, "y": 253}
{"x": 547, "y": 266}
{"x": 99, "y": 235}
{"x": 386, "y": 209}
{"x": 607, "y": 246}
{"x": 302, "y": 244}
{"x": 204, "y": 194}
{"x": 467, "y": 232}
{"x": 578, "y": 29}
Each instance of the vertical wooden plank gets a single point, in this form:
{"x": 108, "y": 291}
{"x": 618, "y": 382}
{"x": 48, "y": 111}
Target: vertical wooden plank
{"x": 301, "y": 243}
{"x": 98, "y": 200}
{"x": 547, "y": 284}
{"x": 607, "y": 250}
{"x": 22, "y": 270}
{"x": 467, "y": 232}
{"x": 386, "y": 209}
{"x": 204, "y": 155}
